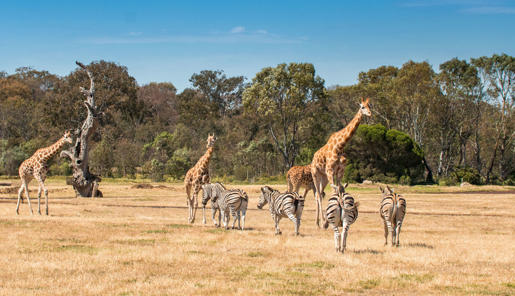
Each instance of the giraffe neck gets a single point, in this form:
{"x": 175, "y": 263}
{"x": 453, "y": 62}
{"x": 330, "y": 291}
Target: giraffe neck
{"x": 50, "y": 151}
{"x": 348, "y": 131}
{"x": 207, "y": 156}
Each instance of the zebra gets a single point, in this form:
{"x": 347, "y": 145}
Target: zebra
{"x": 341, "y": 211}
{"x": 232, "y": 201}
{"x": 226, "y": 202}
{"x": 289, "y": 204}
{"x": 392, "y": 211}
{"x": 209, "y": 191}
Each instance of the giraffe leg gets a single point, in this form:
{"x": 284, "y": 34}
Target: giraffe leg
{"x": 39, "y": 199}
{"x": 41, "y": 182}
{"x": 194, "y": 203}
{"x": 317, "y": 181}
{"x": 188, "y": 195}
{"x": 20, "y": 197}
{"x": 28, "y": 198}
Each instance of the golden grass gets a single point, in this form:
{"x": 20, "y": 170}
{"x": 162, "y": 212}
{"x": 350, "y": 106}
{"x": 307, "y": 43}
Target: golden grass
{"x": 137, "y": 241}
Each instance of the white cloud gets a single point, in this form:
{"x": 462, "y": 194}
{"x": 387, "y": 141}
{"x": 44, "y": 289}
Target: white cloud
{"x": 238, "y": 29}
{"x": 262, "y": 31}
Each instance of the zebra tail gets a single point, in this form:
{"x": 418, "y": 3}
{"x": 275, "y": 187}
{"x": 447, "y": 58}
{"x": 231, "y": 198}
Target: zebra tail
{"x": 326, "y": 223}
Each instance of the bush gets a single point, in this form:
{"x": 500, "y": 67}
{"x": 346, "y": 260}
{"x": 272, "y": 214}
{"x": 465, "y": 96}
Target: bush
{"x": 469, "y": 175}
{"x": 378, "y": 154}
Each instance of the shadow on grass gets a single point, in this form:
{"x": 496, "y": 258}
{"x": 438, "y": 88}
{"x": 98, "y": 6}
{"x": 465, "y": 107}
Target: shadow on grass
{"x": 367, "y": 251}
{"x": 419, "y": 245}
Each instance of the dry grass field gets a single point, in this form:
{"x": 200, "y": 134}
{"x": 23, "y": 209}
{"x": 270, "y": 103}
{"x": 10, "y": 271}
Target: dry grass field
{"x": 138, "y": 242}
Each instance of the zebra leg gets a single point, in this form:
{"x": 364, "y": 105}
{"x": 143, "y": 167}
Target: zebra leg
{"x": 226, "y": 219}
{"x": 243, "y": 213}
{"x": 277, "y": 230}
{"x": 235, "y": 215}
{"x": 345, "y": 230}
{"x": 398, "y": 232}
{"x": 213, "y": 211}
{"x": 295, "y": 222}
{"x": 391, "y": 231}
{"x": 385, "y": 234}
{"x": 336, "y": 238}
{"x": 204, "y": 214}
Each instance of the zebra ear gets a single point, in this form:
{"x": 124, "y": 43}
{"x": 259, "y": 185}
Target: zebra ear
{"x": 389, "y": 189}
{"x": 345, "y": 185}
{"x": 334, "y": 187}
{"x": 381, "y": 188}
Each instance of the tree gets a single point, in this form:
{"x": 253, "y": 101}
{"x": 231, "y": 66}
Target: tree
{"x": 498, "y": 74}
{"x": 379, "y": 154}
{"x": 84, "y": 183}
{"x": 160, "y": 99}
{"x": 453, "y": 112}
{"x": 223, "y": 93}
{"x": 283, "y": 99}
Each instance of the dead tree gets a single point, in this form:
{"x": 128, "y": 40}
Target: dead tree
{"x": 84, "y": 183}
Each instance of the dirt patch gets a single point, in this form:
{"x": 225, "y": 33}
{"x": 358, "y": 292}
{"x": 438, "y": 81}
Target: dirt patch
{"x": 148, "y": 186}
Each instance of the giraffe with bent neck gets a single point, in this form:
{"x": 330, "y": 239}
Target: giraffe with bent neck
{"x": 197, "y": 176}
{"x": 36, "y": 167}
{"x": 326, "y": 165}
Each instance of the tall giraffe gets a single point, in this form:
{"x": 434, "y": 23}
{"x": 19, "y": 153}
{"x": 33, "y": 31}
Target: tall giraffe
{"x": 326, "y": 165}
{"x": 197, "y": 176}
{"x": 36, "y": 167}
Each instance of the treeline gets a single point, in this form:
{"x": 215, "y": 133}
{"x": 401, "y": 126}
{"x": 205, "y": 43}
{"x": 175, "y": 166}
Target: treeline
{"x": 447, "y": 126}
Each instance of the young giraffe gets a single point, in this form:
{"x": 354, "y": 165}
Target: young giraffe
{"x": 36, "y": 167}
{"x": 197, "y": 176}
{"x": 326, "y": 160}
{"x": 300, "y": 176}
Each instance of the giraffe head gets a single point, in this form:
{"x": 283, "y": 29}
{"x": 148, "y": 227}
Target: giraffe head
{"x": 211, "y": 140}
{"x": 67, "y": 137}
{"x": 364, "y": 108}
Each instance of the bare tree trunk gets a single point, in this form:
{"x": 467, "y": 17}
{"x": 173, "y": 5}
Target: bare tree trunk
{"x": 84, "y": 183}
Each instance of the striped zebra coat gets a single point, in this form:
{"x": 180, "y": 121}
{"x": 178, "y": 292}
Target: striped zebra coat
{"x": 341, "y": 211}
{"x": 233, "y": 202}
{"x": 208, "y": 192}
{"x": 392, "y": 211}
{"x": 289, "y": 204}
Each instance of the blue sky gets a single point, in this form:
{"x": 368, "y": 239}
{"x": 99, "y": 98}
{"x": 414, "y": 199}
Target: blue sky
{"x": 171, "y": 40}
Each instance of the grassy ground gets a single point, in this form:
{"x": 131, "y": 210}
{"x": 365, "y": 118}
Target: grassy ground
{"x": 456, "y": 241}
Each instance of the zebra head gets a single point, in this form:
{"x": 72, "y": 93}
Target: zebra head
{"x": 266, "y": 191}
{"x": 340, "y": 189}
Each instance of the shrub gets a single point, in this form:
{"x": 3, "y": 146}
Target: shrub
{"x": 378, "y": 154}
{"x": 469, "y": 175}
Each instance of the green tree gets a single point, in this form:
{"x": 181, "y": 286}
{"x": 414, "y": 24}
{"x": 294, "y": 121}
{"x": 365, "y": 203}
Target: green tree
{"x": 384, "y": 155}
{"x": 498, "y": 74}
{"x": 283, "y": 99}
{"x": 224, "y": 93}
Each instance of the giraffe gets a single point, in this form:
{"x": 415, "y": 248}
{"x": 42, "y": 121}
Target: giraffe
{"x": 197, "y": 176}
{"x": 36, "y": 167}
{"x": 327, "y": 165}
{"x": 300, "y": 176}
